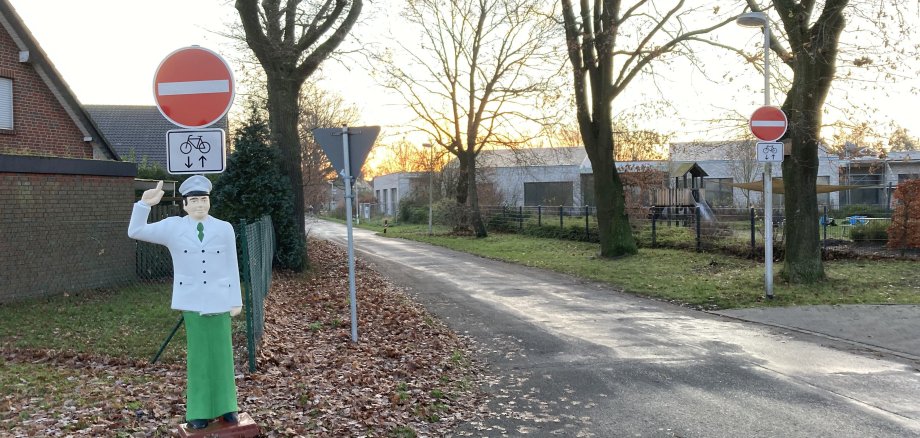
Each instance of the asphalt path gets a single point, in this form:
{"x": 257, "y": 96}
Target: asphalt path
{"x": 572, "y": 358}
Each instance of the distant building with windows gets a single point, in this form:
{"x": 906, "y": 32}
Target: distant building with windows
{"x": 877, "y": 177}
{"x": 563, "y": 176}
{"x": 734, "y": 162}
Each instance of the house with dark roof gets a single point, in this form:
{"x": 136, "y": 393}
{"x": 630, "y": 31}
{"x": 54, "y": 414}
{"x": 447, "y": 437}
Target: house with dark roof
{"x": 65, "y": 195}
{"x": 137, "y": 132}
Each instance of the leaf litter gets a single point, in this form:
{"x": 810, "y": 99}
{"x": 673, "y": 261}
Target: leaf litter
{"x": 408, "y": 374}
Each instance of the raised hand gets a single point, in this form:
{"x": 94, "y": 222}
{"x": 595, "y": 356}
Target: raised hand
{"x": 152, "y": 197}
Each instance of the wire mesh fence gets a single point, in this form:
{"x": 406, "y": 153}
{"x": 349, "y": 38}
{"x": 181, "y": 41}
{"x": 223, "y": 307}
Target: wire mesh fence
{"x": 257, "y": 243}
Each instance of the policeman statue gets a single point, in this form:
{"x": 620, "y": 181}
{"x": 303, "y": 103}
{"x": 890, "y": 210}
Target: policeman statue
{"x": 206, "y": 288}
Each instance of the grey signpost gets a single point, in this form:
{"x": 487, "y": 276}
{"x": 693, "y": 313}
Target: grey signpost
{"x": 355, "y": 145}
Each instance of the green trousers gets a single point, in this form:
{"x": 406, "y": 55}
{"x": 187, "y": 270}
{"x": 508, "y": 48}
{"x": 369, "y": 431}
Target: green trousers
{"x": 211, "y": 389}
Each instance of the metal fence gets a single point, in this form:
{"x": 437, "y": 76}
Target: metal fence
{"x": 731, "y": 230}
{"x": 257, "y": 242}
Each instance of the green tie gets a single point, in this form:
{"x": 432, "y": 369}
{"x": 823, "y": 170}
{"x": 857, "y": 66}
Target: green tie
{"x": 200, "y": 232}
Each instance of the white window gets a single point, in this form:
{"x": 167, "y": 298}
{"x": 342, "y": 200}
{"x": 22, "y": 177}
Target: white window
{"x": 6, "y": 103}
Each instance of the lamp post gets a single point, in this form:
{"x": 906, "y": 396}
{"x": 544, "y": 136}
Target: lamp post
{"x": 759, "y": 19}
{"x": 430, "y": 172}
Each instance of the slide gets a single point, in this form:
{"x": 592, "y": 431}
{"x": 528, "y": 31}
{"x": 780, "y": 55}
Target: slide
{"x": 706, "y": 212}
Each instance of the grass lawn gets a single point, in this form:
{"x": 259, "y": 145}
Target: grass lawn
{"x": 708, "y": 281}
{"x": 129, "y": 323}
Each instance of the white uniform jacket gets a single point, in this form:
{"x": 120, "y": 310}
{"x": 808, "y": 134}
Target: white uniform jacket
{"x": 206, "y": 274}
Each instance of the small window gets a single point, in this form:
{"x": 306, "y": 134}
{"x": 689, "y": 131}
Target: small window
{"x": 720, "y": 192}
{"x": 6, "y": 103}
{"x": 548, "y": 193}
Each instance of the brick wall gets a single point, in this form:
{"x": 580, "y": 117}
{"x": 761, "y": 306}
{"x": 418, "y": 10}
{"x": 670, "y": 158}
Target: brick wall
{"x": 62, "y": 233}
{"x": 41, "y": 126}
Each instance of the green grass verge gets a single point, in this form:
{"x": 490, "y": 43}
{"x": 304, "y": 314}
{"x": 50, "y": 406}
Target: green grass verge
{"x": 709, "y": 281}
{"x": 129, "y": 323}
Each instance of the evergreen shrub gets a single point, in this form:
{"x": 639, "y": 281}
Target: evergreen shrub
{"x": 253, "y": 186}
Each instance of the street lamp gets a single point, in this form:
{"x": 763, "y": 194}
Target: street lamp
{"x": 759, "y": 19}
{"x": 430, "y": 172}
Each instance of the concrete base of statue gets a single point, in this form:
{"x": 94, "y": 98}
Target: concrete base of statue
{"x": 246, "y": 428}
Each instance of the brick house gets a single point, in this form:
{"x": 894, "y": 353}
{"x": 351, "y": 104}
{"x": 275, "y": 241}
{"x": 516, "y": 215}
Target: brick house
{"x": 65, "y": 195}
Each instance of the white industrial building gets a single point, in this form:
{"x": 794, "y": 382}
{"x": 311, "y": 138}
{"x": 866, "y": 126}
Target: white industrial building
{"x": 562, "y": 176}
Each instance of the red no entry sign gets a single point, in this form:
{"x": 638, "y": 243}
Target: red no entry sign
{"x": 768, "y": 123}
{"x": 193, "y": 87}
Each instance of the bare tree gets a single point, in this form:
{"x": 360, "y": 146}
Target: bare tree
{"x": 475, "y": 77}
{"x": 744, "y": 165}
{"x": 901, "y": 140}
{"x": 290, "y": 39}
{"x": 319, "y": 109}
{"x": 639, "y": 144}
{"x": 633, "y": 143}
{"x": 316, "y": 108}
{"x": 862, "y": 134}
{"x": 808, "y": 46}
{"x": 609, "y": 45}
{"x": 401, "y": 156}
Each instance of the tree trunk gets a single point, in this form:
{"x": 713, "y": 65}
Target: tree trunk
{"x": 282, "y": 104}
{"x": 614, "y": 232}
{"x": 463, "y": 179}
{"x": 802, "y": 263}
{"x": 479, "y": 228}
{"x": 813, "y": 64}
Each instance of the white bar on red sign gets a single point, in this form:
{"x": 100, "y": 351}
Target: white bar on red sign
{"x": 193, "y": 87}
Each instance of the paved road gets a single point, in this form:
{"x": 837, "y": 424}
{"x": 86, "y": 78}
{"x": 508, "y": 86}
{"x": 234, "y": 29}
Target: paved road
{"x": 578, "y": 359}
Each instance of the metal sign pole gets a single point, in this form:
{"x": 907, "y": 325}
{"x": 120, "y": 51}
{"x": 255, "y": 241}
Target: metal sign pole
{"x": 768, "y": 176}
{"x": 356, "y": 144}
{"x": 346, "y": 174}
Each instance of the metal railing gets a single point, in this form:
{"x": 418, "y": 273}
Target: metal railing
{"x": 738, "y": 231}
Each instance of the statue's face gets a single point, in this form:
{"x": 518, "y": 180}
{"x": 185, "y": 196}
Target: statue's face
{"x": 197, "y": 207}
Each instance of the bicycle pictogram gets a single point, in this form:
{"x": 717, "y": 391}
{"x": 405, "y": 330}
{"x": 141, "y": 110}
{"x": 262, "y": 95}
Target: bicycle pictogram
{"x": 195, "y": 143}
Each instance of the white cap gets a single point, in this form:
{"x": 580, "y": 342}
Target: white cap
{"x": 196, "y": 186}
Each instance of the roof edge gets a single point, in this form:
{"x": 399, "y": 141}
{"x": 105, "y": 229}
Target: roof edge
{"x": 45, "y": 69}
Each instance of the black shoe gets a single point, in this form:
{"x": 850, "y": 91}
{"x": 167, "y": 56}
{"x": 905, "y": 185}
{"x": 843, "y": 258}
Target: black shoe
{"x": 230, "y": 418}
{"x": 197, "y": 424}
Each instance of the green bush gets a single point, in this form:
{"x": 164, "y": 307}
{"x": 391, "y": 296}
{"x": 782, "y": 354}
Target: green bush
{"x": 571, "y": 232}
{"x": 505, "y": 221}
{"x": 448, "y": 212}
{"x": 253, "y": 186}
{"x": 412, "y": 212}
{"x": 871, "y": 232}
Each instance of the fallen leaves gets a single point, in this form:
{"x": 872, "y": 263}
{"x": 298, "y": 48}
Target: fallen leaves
{"x": 408, "y": 373}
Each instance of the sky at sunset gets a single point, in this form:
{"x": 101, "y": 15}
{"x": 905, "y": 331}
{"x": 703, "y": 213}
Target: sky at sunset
{"x": 107, "y": 51}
